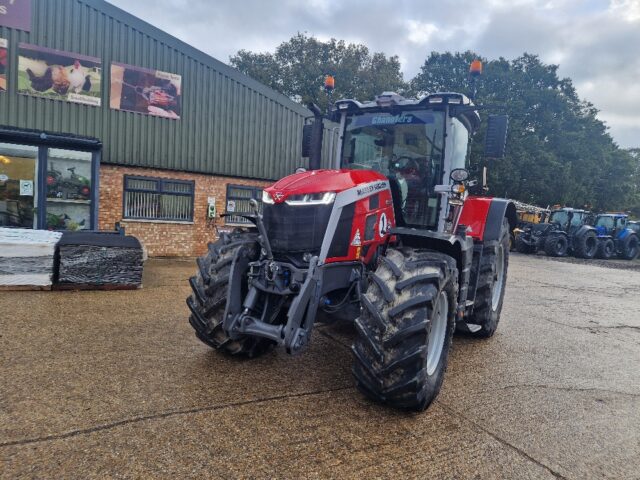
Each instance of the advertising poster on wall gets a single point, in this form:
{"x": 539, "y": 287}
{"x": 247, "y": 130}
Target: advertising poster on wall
{"x": 4, "y": 45}
{"x": 150, "y": 92}
{"x": 47, "y": 73}
{"x": 16, "y": 14}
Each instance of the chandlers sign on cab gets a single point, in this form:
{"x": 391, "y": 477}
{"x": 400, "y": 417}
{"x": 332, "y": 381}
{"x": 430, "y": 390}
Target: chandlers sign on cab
{"x": 16, "y": 14}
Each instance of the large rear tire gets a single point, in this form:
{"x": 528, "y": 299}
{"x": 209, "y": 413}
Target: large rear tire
{"x": 630, "y": 247}
{"x": 586, "y": 245}
{"x": 556, "y": 245}
{"x": 210, "y": 291}
{"x": 492, "y": 282}
{"x": 405, "y": 328}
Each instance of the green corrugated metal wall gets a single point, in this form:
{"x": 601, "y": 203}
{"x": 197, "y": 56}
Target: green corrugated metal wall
{"x": 231, "y": 124}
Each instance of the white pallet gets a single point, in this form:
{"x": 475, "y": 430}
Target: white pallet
{"x": 26, "y": 256}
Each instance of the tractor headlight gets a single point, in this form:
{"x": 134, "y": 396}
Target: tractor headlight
{"x": 325, "y": 198}
{"x": 266, "y": 198}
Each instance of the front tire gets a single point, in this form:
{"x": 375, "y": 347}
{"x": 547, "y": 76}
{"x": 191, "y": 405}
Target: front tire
{"x": 210, "y": 292}
{"x": 405, "y": 328}
{"x": 556, "y": 245}
{"x": 522, "y": 247}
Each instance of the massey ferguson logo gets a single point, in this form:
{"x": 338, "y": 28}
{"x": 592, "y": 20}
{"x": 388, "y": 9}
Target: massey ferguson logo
{"x": 372, "y": 188}
{"x": 278, "y": 196}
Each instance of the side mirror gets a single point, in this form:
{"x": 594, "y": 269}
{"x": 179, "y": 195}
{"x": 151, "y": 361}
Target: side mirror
{"x": 459, "y": 175}
{"x": 312, "y": 135}
{"x": 496, "y": 139}
{"x": 307, "y": 133}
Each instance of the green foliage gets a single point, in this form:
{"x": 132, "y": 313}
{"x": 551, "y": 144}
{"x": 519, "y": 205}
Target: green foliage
{"x": 558, "y": 152}
{"x": 634, "y": 153}
{"x": 298, "y": 67}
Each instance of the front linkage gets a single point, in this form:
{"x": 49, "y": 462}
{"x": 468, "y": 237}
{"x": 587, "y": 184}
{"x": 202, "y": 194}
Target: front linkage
{"x": 301, "y": 289}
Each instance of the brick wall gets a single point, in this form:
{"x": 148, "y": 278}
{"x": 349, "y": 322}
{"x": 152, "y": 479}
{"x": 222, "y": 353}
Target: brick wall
{"x": 166, "y": 239}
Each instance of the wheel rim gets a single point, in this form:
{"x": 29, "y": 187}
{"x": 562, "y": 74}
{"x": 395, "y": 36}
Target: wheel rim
{"x": 498, "y": 279}
{"x": 438, "y": 333}
{"x": 592, "y": 245}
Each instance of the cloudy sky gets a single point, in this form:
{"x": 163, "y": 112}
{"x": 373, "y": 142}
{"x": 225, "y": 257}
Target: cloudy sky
{"x": 595, "y": 42}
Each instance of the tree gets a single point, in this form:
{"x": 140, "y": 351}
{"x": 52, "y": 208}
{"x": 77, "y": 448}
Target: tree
{"x": 557, "y": 149}
{"x": 298, "y": 67}
{"x": 558, "y": 152}
{"x": 634, "y": 153}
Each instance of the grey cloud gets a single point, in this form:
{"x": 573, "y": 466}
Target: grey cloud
{"x": 594, "y": 46}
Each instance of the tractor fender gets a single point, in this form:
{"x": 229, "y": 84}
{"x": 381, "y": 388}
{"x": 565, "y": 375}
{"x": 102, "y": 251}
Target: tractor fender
{"x": 584, "y": 229}
{"x": 559, "y": 232}
{"x": 625, "y": 233}
{"x": 460, "y": 248}
{"x": 483, "y": 217}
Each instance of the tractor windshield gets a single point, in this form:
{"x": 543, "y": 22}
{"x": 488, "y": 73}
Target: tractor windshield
{"x": 561, "y": 217}
{"x": 606, "y": 222}
{"x": 408, "y": 148}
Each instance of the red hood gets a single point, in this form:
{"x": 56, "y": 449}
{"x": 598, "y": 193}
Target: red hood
{"x": 320, "y": 181}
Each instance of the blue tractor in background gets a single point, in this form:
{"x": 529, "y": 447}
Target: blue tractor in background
{"x": 616, "y": 236}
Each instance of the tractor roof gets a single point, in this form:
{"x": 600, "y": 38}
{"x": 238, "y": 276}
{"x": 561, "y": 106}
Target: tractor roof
{"x": 614, "y": 215}
{"x": 461, "y": 105}
{"x": 569, "y": 209}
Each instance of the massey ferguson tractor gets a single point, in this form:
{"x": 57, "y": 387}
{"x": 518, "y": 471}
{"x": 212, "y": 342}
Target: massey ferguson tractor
{"x": 388, "y": 237}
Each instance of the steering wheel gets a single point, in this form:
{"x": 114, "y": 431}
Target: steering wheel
{"x": 411, "y": 167}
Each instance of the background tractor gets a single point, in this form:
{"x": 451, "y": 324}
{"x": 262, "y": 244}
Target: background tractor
{"x": 568, "y": 231}
{"x": 388, "y": 238}
{"x": 616, "y": 236}
{"x": 527, "y": 215}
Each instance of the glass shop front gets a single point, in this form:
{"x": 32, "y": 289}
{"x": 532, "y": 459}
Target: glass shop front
{"x": 47, "y": 181}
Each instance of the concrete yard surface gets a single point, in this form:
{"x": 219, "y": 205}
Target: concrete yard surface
{"x": 115, "y": 385}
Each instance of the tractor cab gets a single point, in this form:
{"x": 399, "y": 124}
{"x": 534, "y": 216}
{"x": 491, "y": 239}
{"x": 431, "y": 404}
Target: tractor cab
{"x": 416, "y": 145}
{"x": 611, "y": 224}
{"x": 617, "y": 236}
{"x": 569, "y": 219}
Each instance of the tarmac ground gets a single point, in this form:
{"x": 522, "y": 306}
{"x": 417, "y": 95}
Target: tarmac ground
{"x": 115, "y": 385}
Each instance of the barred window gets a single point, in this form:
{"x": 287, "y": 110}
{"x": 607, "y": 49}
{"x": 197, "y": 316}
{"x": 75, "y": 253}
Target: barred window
{"x": 238, "y": 197}
{"x": 148, "y": 198}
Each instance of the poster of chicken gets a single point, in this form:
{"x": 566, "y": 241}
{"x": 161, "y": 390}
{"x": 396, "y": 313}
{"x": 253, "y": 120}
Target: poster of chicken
{"x": 3, "y": 64}
{"x": 145, "y": 91}
{"x": 43, "y": 72}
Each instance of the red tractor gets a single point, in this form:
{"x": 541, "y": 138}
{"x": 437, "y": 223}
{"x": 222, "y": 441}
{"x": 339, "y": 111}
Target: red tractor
{"x": 389, "y": 239}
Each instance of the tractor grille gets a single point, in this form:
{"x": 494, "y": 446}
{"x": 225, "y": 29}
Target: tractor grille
{"x": 296, "y": 229}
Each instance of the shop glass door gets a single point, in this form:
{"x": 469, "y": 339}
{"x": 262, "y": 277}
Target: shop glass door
{"x": 68, "y": 189}
{"x": 18, "y": 192}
